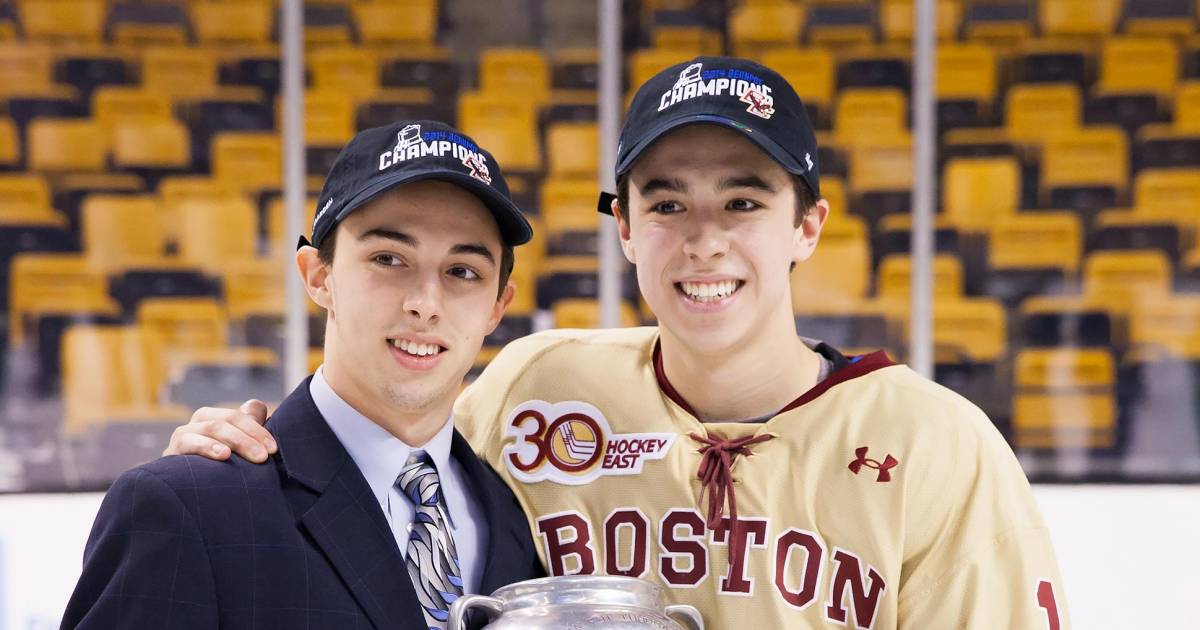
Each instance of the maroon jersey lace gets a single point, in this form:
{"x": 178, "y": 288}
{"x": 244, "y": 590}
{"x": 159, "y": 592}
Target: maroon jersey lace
{"x": 716, "y": 458}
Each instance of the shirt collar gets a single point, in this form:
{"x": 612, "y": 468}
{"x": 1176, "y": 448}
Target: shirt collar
{"x": 377, "y": 453}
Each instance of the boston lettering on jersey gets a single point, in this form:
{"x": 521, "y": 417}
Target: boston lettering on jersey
{"x": 799, "y": 558}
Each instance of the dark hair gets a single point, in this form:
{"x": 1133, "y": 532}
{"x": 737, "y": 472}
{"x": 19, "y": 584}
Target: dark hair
{"x": 329, "y": 246}
{"x": 805, "y": 199}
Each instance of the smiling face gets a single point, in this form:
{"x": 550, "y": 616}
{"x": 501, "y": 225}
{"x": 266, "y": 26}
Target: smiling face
{"x": 411, "y": 293}
{"x": 712, "y": 230}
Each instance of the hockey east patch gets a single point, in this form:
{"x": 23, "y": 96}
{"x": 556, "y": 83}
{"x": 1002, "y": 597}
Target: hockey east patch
{"x": 572, "y": 443}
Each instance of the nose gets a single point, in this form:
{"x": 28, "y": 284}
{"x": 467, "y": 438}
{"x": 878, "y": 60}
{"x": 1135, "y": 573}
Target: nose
{"x": 424, "y": 300}
{"x": 706, "y": 240}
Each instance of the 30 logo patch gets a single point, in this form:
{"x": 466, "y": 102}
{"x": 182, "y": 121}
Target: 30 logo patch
{"x": 571, "y": 443}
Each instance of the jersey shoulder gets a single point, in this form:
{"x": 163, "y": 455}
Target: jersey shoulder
{"x": 927, "y": 409}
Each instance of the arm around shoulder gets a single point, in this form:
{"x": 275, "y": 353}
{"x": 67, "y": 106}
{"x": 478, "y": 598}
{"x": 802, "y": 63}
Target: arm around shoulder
{"x": 145, "y": 564}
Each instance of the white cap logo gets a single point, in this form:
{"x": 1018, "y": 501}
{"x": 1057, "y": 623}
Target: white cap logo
{"x": 408, "y": 136}
{"x": 690, "y": 74}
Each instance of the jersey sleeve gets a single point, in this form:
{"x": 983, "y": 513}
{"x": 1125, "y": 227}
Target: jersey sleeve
{"x": 984, "y": 557}
{"x": 479, "y": 410}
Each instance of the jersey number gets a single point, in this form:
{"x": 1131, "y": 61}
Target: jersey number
{"x": 1045, "y": 598}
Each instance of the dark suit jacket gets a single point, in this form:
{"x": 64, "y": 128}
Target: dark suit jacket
{"x": 299, "y": 542}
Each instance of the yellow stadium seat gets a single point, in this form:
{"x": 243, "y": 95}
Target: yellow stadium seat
{"x": 54, "y": 283}
{"x": 833, "y": 191}
{"x": 568, "y": 197}
{"x": 1078, "y": 17}
{"x": 1126, "y": 277}
{"x": 1035, "y": 111}
{"x": 247, "y": 159}
{"x": 109, "y": 372}
{"x": 66, "y": 144}
{"x": 180, "y": 72}
{"x": 1137, "y": 64}
{"x": 812, "y": 72}
{"x": 971, "y": 328}
{"x": 839, "y": 269}
{"x": 1171, "y": 323}
{"x": 160, "y": 144}
{"x": 865, "y": 115}
{"x": 173, "y": 190}
{"x": 756, "y": 28}
{"x": 253, "y": 287}
{"x": 280, "y": 240}
{"x": 1064, "y": 399}
{"x": 1094, "y": 156}
{"x": 507, "y": 126}
{"x": 218, "y": 232}
{"x": 1169, "y": 194}
{"x": 115, "y": 104}
{"x": 131, "y": 34}
{"x": 23, "y": 195}
{"x": 1001, "y": 23}
{"x": 584, "y": 313}
{"x": 1042, "y": 240}
{"x": 688, "y": 40}
{"x": 895, "y": 276}
{"x": 978, "y": 191}
{"x": 63, "y": 20}
{"x": 573, "y": 149}
{"x": 647, "y": 62}
{"x": 1150, "y": 19}
{"x": 351, "y": 71}
{"x": 123, "y": 231}
{"x": 378, "y": 22}
{"x": 897, "y": 19}
{"x": 967, "y": 72}
{"x": 328, "y": 117}
{"x": 1187, "y": 107}
{"x": 188, "y": 323}
{"x": 515, "y": 73}
{"x": 10, "y": 144}
{"x": 854, "y": 25}
{"x": 25, "y": 68}
{"x": 224, "y": 22}
{"x": 882, "y": 165}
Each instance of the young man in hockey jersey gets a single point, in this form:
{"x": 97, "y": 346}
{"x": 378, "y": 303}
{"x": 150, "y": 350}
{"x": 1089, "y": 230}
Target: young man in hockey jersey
{"x": 763, "y": 477}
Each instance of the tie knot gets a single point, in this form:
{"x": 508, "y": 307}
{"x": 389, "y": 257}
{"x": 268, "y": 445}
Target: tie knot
{"x": 419, "y": 480}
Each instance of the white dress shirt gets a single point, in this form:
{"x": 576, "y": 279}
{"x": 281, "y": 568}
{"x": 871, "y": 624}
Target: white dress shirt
{"x": 380, "y": 456}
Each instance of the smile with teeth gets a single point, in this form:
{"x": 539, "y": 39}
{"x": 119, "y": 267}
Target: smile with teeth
{"x": 709, "y": 291}
{"x": 416, "y": 349}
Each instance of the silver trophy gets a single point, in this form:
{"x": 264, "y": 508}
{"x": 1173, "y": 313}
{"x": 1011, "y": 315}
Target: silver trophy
{"x": 577, "y": 602}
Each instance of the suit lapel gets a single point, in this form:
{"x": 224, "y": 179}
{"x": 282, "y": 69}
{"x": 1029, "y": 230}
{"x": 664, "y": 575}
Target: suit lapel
{"x": 506, "y": 557}
{"x": 344, "y": 520}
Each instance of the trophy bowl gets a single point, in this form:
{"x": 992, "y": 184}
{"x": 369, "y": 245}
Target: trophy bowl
{"x": 576, "y": 602}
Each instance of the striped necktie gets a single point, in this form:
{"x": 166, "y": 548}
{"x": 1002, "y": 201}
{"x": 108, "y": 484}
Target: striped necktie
{"x": 432, "y": 559}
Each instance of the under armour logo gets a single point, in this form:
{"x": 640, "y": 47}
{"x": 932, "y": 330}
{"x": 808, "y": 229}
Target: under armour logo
{"x": 884, "y": 468}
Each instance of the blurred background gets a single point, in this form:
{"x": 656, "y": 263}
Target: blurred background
{"x": 143, "y": 248}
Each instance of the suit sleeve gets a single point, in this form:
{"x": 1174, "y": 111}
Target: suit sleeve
{"x": 145, "y": 564}
{"x": 986, "y": 560}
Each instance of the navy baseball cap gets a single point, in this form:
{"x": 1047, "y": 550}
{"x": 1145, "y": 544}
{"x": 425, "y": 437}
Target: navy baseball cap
{"x": 736, "y": 93}
{"x": 379, "y": 159}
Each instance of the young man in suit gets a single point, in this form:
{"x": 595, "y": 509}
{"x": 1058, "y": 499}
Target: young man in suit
{"x": 373, "y": 510}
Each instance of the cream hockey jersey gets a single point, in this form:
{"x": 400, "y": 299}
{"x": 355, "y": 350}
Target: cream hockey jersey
{"x": 877, "y": 500}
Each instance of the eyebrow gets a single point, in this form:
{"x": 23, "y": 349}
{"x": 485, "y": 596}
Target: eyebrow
{"x": 662, "y": 183}
{"x": 476, "y": 249}
{"x": 745, "y": 181}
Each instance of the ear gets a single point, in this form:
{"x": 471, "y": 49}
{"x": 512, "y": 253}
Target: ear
{"x": 315, "y": 276}
{"x": 500, "y": 306}
{"x": 804, "y": 240}
{"x": 623, "y": 232}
